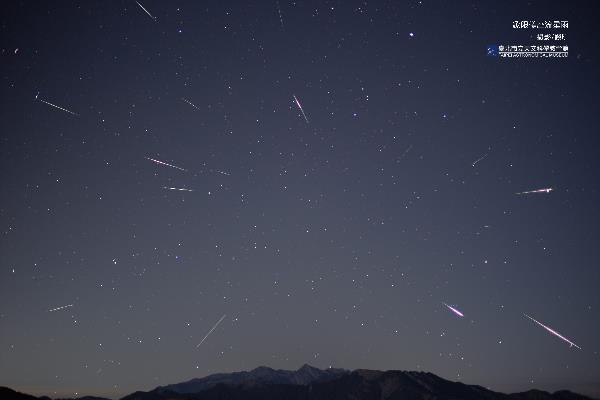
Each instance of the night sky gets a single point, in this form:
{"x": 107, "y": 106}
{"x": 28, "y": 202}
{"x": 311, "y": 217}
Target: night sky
{"x": 341, "y": 234}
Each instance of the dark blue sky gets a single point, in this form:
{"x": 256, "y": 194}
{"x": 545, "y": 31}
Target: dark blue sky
{"x": 333, "y": 242}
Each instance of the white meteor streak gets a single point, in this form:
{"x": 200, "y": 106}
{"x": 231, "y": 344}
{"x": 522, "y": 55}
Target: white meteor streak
{"x": 180, "y": 189}
{"x": 544, "y": 190}
{"x": 300, "y": 107}
{"x": 55, "y": 106}
{"x": 190, "y": 103}
{"x": 479, "y": 159}
{"x": 552, "y": 331}
{"x": 146, "y": 11}
{"x": 166, "y": 164}
{"x": 212, "y": 329}
{"x": 60, "y": 308}
{"x": 454, "y": 310}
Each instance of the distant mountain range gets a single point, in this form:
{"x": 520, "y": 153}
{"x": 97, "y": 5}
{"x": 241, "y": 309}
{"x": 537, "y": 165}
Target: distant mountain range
{"x": 310, "y": 383}
{"x": 305, "y": 375}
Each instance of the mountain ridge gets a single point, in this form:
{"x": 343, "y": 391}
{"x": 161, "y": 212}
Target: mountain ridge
{"x": 311, "y": 383}
{"x": 260, "y": 375}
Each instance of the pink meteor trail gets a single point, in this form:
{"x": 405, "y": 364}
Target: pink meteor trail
{"x": 544, "y": 190}
{"x": 164, "y": 163}
{"x": 209, "y": 332}
{"x": 552, "y": 331}
{"x": 454, "y": 310}
{"x": 300, "y": 107}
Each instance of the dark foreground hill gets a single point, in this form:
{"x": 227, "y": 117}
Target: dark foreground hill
{"x": 309, "y": 383}
{"x": 9, "y": 394}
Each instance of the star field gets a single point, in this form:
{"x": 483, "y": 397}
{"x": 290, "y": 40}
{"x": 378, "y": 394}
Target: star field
{"x": 202, "y": 187}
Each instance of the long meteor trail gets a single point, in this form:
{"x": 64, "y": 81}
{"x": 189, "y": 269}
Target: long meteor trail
{"x": 454, "y": 310}
{"x": 300, "y": 107}
{"x": 146, "y": 11}
{"x": 552, "y": 331}
{"x": 212, "y": 329}
{"x": 55, "y": 106}
{"x": 166, "y": 164}
{"x": 544, "y": 190}
{"x": 60, "y": 308}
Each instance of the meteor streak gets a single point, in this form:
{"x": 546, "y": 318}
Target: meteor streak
{"x": 190, "y": 103}
{"x": 55, "y": 106}
{"x": 146, "y": 11}
{"x": 480, "y": 158}
{"x": 545, "y": 190}
{"x": 454, "y": 310}
{"x": 300, "y": 107}
{"x": 279, "y": 11}
{"x": 552, "y": 331}
{"x": 180, "y": 189}
{"x": 166, "y": 164}
{"x": 212, "y": 329}
{"x": 60, "y": 308}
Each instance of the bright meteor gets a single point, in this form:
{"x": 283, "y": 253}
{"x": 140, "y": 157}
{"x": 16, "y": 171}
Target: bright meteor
{"x": 166, "y": 164}
{"x": 212, "y": 329}
{"x": 552, "y": 331}
{"x": 146, "y": 11}
{"x": 454, "y": 310}
{"x": 300, "y": 107}
{"x": 544, "y": 190}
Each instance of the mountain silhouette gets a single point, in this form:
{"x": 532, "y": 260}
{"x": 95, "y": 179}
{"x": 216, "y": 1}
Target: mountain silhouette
{"x": 310, "y": 383}
{"x": 261, "y": 375}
